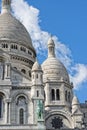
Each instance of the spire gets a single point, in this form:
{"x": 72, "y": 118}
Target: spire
{"x": 75, "y": 105}
{"x": 51, "y": 47}
{"x": 75, "y": 100}
{"x": 6, "y": 6}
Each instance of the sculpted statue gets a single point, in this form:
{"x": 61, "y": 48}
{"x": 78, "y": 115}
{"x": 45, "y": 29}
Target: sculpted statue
{"x": 39, "y": 109}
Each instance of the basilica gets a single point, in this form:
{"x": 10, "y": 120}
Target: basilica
{"x": 34, "y": 96}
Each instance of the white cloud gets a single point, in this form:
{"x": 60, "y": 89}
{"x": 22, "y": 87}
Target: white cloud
{"x": 29, "y": 16}
{"x": 80, "y": 75}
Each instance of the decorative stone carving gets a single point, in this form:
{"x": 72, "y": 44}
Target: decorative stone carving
{"x": 57, "y": 122}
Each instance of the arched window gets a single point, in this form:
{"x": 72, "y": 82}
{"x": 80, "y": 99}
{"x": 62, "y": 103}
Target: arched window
{"x": 69, "y": 97}
{"x": 1, "y": 104}
{"x": 16, "y": 47}
{"x": 15, "y": 68}
{"x": 53, "y": 94}
{"x": 57, "y": 94}
{"x": 21, "y": 101}
{"x": 12, "y": 46}
{"x": 6, "y": 45}
{"x": 29, "y": 73}
{"x": 23, "y": 49}
{"x": 29, "y": 52}
{"x": 21, "y": 116}
{"x": 22, "y": 110}
{"x": 37, "y": 93}
{"x": 66, "y": 95}
{"x": 23, "y": 71}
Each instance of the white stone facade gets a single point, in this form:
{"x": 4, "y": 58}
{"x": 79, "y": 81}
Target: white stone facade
{"x": 32, "y": 96}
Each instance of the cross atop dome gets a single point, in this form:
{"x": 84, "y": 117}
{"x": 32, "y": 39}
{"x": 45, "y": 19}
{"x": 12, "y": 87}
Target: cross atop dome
{"x": 6, "y": 6}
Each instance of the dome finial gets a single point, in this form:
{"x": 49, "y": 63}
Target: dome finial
{"x": 6, "y": 6}
{"x": 51, "y": 47}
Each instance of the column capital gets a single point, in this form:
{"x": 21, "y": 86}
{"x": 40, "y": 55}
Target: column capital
{"x": 7, "y": 100}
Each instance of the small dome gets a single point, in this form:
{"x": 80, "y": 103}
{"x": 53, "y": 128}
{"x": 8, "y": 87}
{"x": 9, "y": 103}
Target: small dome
{"x": 36, "y": 66}
{"x": 75, "y": 101}
{"x": 53, "y": 69}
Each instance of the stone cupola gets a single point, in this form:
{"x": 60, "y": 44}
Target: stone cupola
{"x": 6, "y": 6}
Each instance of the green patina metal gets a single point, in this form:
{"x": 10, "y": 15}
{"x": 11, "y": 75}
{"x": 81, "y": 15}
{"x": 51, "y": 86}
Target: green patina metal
{"x": 39, "y": 109}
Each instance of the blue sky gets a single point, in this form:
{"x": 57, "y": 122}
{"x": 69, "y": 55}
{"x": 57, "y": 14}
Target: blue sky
{"x": 65, "y": 19}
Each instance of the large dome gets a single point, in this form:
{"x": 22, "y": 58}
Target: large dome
{"x": 53, "y": 69}
{"x": 15, "y": 41}
{"x": 12, "y": 29}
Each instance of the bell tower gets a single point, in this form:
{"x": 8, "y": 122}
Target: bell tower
{"x": 37, "y": 94}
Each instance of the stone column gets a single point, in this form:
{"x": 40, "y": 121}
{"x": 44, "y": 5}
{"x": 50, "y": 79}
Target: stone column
{"x": 1, "y": 70}
{"x": 47, "y": 92}
{"x": 9, "y": 104}
{"x": 7, "y": 70}
{"x": 34, "y": 111}
{"x": 3, "y": 66}
{"x": 7, "y": 111}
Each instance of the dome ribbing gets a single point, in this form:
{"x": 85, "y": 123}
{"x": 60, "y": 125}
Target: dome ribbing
{"x": 53, "y": 69}
{"x": 11, "y": 29}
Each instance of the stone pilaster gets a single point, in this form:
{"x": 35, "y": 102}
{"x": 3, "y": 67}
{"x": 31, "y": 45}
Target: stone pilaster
{"x": 7, "y": 70}
{"x": 7, "y": 110}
